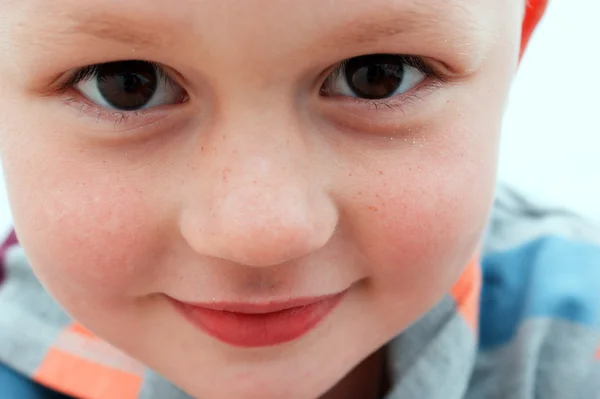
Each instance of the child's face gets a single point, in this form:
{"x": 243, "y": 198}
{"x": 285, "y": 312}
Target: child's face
{"x": 254, "y": 173}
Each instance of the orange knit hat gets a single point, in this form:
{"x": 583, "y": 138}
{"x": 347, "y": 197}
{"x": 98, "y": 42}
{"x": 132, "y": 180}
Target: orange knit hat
{"x": 533, "y": 14}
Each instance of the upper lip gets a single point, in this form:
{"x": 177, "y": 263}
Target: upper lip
{"x": 262, "y": 307}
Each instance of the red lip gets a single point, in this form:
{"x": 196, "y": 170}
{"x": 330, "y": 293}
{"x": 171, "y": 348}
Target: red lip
{"x": 259, "y": 325}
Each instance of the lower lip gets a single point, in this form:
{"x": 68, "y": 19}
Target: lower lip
{"x": 262, "y": 329}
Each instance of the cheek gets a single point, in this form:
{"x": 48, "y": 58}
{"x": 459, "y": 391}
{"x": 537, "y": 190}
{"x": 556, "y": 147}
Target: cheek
{"x": 419, "y": 217}
{"x": 92, "y": 233}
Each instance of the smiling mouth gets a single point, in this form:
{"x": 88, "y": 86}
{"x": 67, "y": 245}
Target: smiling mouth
{"x": 259, "y": 325}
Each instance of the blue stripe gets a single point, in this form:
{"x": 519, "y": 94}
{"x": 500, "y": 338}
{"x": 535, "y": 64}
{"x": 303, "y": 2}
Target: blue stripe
{"x": 550, "y": 277}
{"x": 17, "y": 386}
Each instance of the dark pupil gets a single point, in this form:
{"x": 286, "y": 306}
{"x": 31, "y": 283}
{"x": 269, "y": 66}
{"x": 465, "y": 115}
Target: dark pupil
{"x": 374, "y": 76}
{"x": 127, "y": 85}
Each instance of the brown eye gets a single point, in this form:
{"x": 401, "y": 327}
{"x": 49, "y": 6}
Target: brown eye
{"x": 129, "y": 86}
{"x": 373, "y": 77}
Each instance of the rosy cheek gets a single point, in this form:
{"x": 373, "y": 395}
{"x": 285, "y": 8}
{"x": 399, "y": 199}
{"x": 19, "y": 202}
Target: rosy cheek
{"x": 89, "y": 234}
{"x": 423, "y": 215}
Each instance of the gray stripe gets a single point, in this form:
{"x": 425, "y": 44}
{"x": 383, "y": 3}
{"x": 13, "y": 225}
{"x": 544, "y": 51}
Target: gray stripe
{"x": 157, "y": 387}
{"x": 516, "y": 220}
{"x": 591, "y": 389}
{"x": 548, "y": 359}
{"x": 30, "y": 319}
{"x": 433, "y": 359}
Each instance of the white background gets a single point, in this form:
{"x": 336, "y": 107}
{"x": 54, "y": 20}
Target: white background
{"x": 551, "y": 143}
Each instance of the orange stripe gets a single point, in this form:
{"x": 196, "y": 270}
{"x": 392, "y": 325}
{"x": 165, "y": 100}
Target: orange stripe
{"x": 466, "y": 293}
{"x": 598, "y": 354}
{"x": 79, "y": 329}
{"x": 86, "y": 380}
{"x": 80, "y": 364}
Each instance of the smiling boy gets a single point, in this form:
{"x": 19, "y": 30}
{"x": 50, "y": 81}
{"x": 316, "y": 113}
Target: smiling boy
{"x": 265, "y": 199}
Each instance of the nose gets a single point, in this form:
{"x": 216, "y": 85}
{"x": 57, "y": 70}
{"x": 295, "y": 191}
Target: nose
{"x": 267, "y": 207}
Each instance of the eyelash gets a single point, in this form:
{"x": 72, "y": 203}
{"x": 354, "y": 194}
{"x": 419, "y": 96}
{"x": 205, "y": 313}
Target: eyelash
{"x": 92, "y": 71}
{"x": 432, "y": 80}
{"x": 410, "y": 60}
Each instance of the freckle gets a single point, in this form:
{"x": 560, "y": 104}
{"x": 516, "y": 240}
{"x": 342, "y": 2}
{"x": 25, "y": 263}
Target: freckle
{"x": 380, "y": 173}
{"x": 202, "y": 149}
{"x": 349, "y": 174}
{"x": 226, "y": 174}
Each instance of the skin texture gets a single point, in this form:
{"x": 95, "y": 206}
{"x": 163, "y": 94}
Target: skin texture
{"x": 257, "y": 188}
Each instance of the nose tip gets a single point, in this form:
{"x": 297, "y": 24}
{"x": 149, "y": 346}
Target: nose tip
{"x": 266, "y": 228}
{"x": 269, "y": 242}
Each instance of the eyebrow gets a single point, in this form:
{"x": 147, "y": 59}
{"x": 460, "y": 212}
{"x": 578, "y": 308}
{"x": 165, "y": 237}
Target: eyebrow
{"x": 125, "y": 31}
{"x": 419, "y": 18}
{"x": 414, "y": 16}
{"x": 366, "y": 31}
